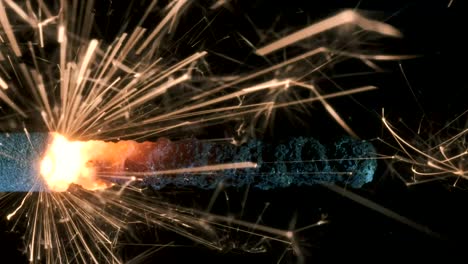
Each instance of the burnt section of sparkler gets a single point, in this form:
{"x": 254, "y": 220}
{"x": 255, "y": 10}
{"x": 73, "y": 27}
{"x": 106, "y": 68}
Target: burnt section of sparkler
{"x": 299, "y": 161}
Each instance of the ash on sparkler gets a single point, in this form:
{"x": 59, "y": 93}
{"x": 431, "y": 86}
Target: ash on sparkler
{"x": 136, "y": 88}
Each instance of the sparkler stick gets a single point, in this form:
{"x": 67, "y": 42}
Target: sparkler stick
{"x": 184, "y": 163}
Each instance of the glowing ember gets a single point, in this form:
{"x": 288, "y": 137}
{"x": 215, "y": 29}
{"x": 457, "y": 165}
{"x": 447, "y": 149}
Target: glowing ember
{"x": 67, "y": 162}
{"x": 90, "y": 163}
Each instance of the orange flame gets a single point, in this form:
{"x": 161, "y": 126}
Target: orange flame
{"x": 88, "y": 163}
{"x": 66, "y": 162}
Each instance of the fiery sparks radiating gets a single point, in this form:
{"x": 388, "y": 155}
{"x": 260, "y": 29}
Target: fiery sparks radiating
{"x": 89, "y": 90}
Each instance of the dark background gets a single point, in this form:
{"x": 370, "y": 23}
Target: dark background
{"x": 438, "y": 80}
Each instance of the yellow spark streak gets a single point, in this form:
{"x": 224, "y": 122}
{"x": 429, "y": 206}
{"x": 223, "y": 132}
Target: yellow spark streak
{"x": 330, "y": 110}
{"x": 61, "y": 34}
{"x": 265, "y": 85}
{"x": 163, "y": 23}
{"x": 3, "y": 84}
{"x": 87, "y": 58}
{"x": 345, "y": 17}
{"x": 41, "y": 36}
{"x": 78, "y": 86}
{"x": 7, "y": 100}
{"x": 445, "y": 166}
{"x": 8, "y": 30}
{"x": 239, "y": 113}
{"x": 32, "y": 22}
{"x": 264, "y": 71}
{"x": 43, "y": 93}
{"x": 208, "y": 168}
{"x": 159, "y": 78}
{"x": 158, "y": 91}
{"x": 218, "y": 4}
{"x": 9, "y": 216}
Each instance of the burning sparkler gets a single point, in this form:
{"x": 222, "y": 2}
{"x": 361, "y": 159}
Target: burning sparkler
{"x": 88, "y": 90}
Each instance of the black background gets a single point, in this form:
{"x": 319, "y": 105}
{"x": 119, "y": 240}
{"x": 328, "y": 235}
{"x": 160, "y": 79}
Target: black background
{"x": 437, "y": 76}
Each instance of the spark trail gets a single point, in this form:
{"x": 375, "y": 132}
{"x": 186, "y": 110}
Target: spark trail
{"x": 86, "y": 89}
{"x": 433, "y": 161}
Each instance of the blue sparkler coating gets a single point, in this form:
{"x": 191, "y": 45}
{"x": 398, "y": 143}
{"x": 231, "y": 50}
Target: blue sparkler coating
{"x": 300, "y": 161}
{"x": 20, "y": 160}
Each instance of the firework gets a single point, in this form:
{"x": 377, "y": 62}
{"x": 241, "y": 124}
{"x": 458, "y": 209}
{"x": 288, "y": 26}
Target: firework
{"x": 85, "y": 89}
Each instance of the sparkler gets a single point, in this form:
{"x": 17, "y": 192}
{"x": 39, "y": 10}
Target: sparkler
{"x": 96, "y": 165}
{"x": 88, "y": 90}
